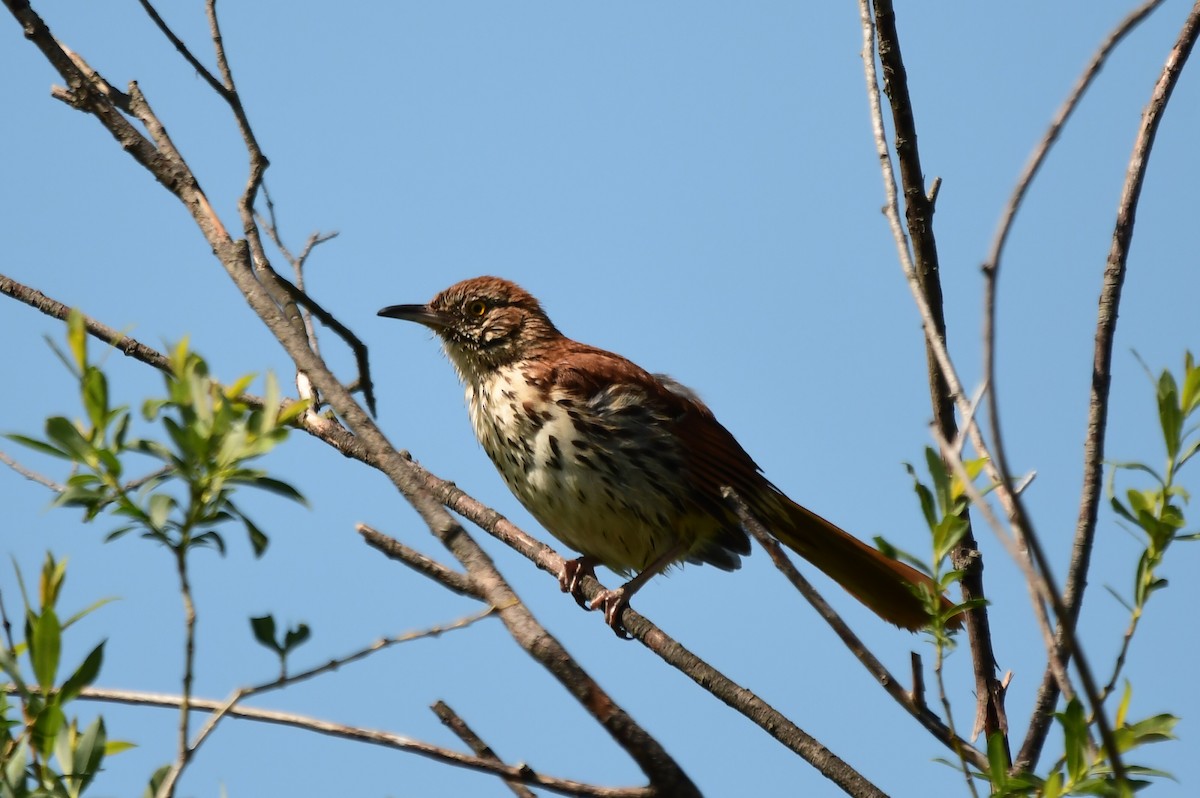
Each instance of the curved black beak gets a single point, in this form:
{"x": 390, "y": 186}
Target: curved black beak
{"x": 421, "y": 314}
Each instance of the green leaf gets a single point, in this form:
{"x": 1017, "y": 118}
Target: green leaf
{"x": 95, "y": 605}
{"x": 1190, "y": 398}
{"x": 941, "y": 480}
{"x": 292, "y": 410}
{"x": 50, "y": 581}
{"x": 45, "y": 647}
{"x": 77, "y": 338}
{"x": 211, "y": 539}
{"x": 1154, "y": 729}
{"x": 925, "y": 497}
{"x": 258, "y": 539}
{"x": 88, "y": 754}
{"x": 997, "y": 761}
{"x": 156, "y": 781}
{"x": 160, "y": 507}
{"x": 39, "y": 446}
{"x": 1169, "y": 413}
{"x": 62, "y": 432}
{"x": 1075, "y": 739}
{"x": 271, "y": 485}
{"x": 296, "y": 637}
{"x": 84, "y": 675}
{"x": 14, "y": 769}
{"x": 46, "y": 727}
{"x": 117, "y": 746}
{"x": 1053, "y": 786}
{"x": 95, "y": 397}
{"x": 264, "y": 632}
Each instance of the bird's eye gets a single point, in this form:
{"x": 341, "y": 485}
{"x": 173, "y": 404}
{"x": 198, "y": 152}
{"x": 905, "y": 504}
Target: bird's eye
{"x": 476, "y": 308}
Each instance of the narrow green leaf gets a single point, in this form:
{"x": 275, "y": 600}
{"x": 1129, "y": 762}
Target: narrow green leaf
{"x": 1169, "y": 413}
{"x": 272, "y": 485}
{"x": 117, "y": 746}
{"x": 95, "y": 397}
{"x": 39, "y": 446}
{"x": 95, "y": 605}
{"x": 1190, "y": 396}
{"x": 89, "y": 753}
{"x": 211, "y": 539}
{"x": 14, "y": 768}
{"x": 997, "y": 761}
{"x": 258, "y": 539}
{"x": 77, "y": 338}
{"x": 941, "y": 480}
{"x": 292, "y": 410}
{"x": 924, "y": 496}
{"x": 46, "y": 727}
{"x": 45, "y": 647}
{"x": 84, "y": 675}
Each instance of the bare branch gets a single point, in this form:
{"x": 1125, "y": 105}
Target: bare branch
{"x": 465, "y": 733}
{"x": 394, "y": 549}
{"x": 30, "y": 474}
{"x": 522, "y": 773}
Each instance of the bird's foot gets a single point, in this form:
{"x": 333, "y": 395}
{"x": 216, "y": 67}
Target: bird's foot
{"x": 613, "y": 602}
{"x": 571, "y": 578}
{"x": 610, "y": 601}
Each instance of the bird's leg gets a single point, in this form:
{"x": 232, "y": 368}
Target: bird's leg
{"x": 573, "y": 572}
{"x": 614, "y": 601}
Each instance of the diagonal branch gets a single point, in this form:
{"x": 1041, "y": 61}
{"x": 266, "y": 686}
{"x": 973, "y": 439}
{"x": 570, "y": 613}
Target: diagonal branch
{"x": 909, "y": 701}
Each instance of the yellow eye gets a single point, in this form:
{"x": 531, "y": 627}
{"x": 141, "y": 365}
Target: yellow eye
{"x": 476, "y": 308}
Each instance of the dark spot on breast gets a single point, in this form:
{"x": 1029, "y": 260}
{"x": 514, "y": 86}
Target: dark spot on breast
{"x": 581, "y": 444}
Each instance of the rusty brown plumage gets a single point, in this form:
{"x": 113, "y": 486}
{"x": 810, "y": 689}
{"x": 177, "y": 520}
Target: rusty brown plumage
{"x": 625, "y": 466}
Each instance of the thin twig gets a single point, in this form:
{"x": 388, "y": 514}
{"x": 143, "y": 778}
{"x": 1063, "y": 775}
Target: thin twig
{"x": 427, "y": 566}
{"x": 184, "y": 752}
{"x": 456, "y": 724}
{"x": 243, "y": 693}
{"x": 30, "y": 474}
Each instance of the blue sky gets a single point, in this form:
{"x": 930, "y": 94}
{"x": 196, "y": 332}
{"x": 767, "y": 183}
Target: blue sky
{"x": 690, "y": 184}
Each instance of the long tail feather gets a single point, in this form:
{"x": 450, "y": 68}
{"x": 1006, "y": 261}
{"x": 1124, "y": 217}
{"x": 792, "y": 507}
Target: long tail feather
{"x": 888, "y": 587}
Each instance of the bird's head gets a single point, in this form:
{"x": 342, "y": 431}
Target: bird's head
{"x": 484, "y": 323}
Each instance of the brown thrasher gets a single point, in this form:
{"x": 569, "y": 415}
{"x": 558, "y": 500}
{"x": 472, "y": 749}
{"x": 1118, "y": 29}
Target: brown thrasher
{"x": 626, "y": 466}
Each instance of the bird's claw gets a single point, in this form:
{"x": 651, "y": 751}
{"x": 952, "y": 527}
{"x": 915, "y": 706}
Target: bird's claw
{"x": 613, "y": 602}
{"x": 571, "y": 578}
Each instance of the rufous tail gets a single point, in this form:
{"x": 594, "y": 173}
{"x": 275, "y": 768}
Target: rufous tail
{"x": 888, "y": 587}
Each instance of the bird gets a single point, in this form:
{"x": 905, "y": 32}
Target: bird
{"x": 628, "y": 467}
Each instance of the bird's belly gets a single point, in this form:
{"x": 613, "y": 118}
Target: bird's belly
{"x": 601, "y": 494}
